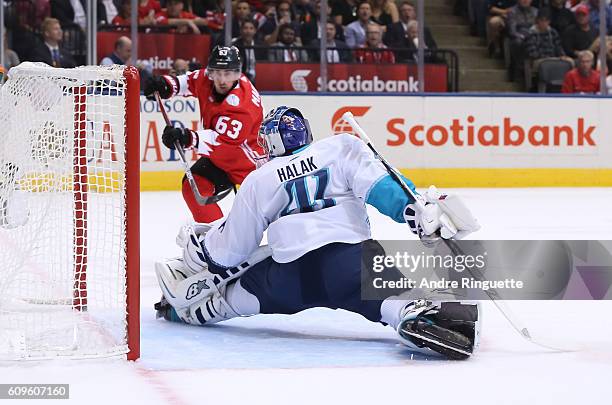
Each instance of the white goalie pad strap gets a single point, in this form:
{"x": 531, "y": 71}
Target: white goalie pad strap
{"x": 191, "y": 238}
{"x": 212, "y": 309}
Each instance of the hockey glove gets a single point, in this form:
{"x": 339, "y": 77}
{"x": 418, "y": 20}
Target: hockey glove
{"x": 159, "y": 84}
{"x": 443, "y": 214}
{"x": 186, "y": 137}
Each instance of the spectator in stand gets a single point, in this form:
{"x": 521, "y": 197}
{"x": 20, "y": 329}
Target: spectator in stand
{"x": 561, "y": 17}
{"x": 275, "y": 19}
{"x": 184, "y": 20}
{"x": 594, "y": 15}
{"x": 543, "y": 42}
{"x": 124, "y": 18}
{"x": 242, "y": 12}
{"x": 214, "y": 14}
{"x": 337, "y": 52}
{"x": 343, "y": 12}
{"x": 397, "y": 33}
{"x": 310, "y": 29}
{"x": 595, "y": 49}
{"x": 249, "y": 57}
{"x": 122, "y": 53}
{"x": 201, "y": 7}
{"x": 302, "y": 10}
{"x": 384, "y": 12}
{"x": 582, "y": 79}
{"x": 147, "y": 12}
{"x": 354, "y": 33}
{"x": 374, "y": 51}
{"x": 50, "y": 50}
{"x": 289, "y": 41}
{"x": 108, "y": 10}
{"x": 179, "y": 67}
{"x": 497, "y": 22}
{"x": 412, "y": 44}
{"x": 69, "y": 13}
{"x": 24, "y": 22}
{"x": 520, "y": 19}
{"x": 580, "y": 36}
{"x": 10, "y": 57}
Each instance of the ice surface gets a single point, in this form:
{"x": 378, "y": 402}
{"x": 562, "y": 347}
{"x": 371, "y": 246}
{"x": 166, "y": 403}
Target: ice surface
{"x": 325, "y": 356}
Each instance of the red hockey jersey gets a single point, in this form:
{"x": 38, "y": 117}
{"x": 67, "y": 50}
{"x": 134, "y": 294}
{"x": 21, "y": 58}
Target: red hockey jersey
{"x": 235, "y": 120}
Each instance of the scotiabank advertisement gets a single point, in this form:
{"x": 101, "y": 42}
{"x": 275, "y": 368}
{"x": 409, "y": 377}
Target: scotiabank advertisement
{"x": 160, "y": 50}
{"x": 442, "y": 132}
{"x": 493, "y": 132}
{"x": 305, "y": 77}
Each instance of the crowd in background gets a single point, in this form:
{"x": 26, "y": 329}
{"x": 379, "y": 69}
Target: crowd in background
{"x": 559, "y": 33}
{"x": 527, "y": 33}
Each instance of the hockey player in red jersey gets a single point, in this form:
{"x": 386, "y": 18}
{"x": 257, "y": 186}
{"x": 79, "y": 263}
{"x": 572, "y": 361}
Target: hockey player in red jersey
{"x": 231, "y": 113}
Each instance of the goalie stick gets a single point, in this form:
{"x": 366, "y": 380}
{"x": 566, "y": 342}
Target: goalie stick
{"x": 505, "y": 310}
{"x": 202, "y": 200}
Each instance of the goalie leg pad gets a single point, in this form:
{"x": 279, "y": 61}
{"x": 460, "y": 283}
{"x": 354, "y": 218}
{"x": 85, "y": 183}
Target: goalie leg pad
{"x": 228, "y": 302}
{"x": 182, "y": 286}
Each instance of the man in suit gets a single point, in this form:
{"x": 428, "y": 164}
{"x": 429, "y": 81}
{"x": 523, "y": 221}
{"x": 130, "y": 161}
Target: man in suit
{"x": 69, "y": 13}
{"x": 354, "y": 33}
{"x": 397, "y": 33}
{"x": 122, "y": 53}
{"x": 50, "y": 51}
{"x": 309, "y": 30}
{"x": 337, "y": 52}
{"x": 249, "y": 56}
{"x": 288, "y": 48}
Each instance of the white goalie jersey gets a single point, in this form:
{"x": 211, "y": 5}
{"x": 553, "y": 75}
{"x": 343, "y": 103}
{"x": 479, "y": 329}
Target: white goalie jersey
{"x": 306, "y": 200}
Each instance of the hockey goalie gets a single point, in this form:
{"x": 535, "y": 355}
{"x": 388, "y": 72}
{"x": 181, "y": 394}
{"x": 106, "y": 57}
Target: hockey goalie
{"x": 310, "y": 197}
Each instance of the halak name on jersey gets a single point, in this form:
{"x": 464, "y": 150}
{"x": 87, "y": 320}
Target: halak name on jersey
{"x": 296, "y": 169}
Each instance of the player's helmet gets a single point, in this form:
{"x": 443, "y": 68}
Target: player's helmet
{"x": 225, "y": 58}
{"x": 283, "y": 131}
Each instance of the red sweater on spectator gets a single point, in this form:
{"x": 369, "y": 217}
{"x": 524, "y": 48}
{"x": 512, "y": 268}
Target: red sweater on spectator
{"x": 143, "y": 10}
{"x": 215, "y": 20}
{"x": 369, "y": 56}
{"x": 574, "y": 82}
{"x": 162, "y": 16}
{"x": 118, "y": 20}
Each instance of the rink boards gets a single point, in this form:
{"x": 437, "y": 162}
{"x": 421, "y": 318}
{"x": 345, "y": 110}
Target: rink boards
{"x": 450, "y": 141}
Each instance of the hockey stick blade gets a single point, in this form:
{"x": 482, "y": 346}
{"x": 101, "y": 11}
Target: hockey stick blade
{"x": 200, "y": 199}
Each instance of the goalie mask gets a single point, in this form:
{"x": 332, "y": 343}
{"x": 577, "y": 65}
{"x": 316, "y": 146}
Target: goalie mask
{"x": 283, "y": 131}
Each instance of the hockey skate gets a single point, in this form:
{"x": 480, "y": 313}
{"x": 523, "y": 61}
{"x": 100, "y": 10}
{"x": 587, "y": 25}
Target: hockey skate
{"x": 448, "y": 328}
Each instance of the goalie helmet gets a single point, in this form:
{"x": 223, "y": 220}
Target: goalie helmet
{"x": 224, "y": 58}
{"x": 283, "y": 131}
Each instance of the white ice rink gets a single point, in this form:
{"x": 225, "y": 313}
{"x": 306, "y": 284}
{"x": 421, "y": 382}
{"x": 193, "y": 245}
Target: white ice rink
{"x": 335, "y": 357}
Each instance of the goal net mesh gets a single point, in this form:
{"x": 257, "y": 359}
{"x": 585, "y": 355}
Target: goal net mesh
{"x": 62, "y": 212}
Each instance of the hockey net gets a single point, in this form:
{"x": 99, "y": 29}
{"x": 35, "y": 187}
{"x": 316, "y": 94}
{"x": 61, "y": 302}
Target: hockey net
{"x": 69, "y": 186}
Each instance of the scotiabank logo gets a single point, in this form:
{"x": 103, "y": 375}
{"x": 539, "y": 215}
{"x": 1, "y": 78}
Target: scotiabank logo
{"x": 298, "y": 80}
{"x": 468, "y": 132}
{"x": 339, "y": 125}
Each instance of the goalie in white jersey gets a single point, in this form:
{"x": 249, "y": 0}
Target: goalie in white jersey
{"x": 311, "y": 198}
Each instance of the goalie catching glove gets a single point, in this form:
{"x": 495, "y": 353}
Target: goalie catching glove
{"x": 441, "y": 213}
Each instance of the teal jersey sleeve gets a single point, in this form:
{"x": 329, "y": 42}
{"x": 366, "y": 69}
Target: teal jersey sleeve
{"x": 389, "y": 198}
